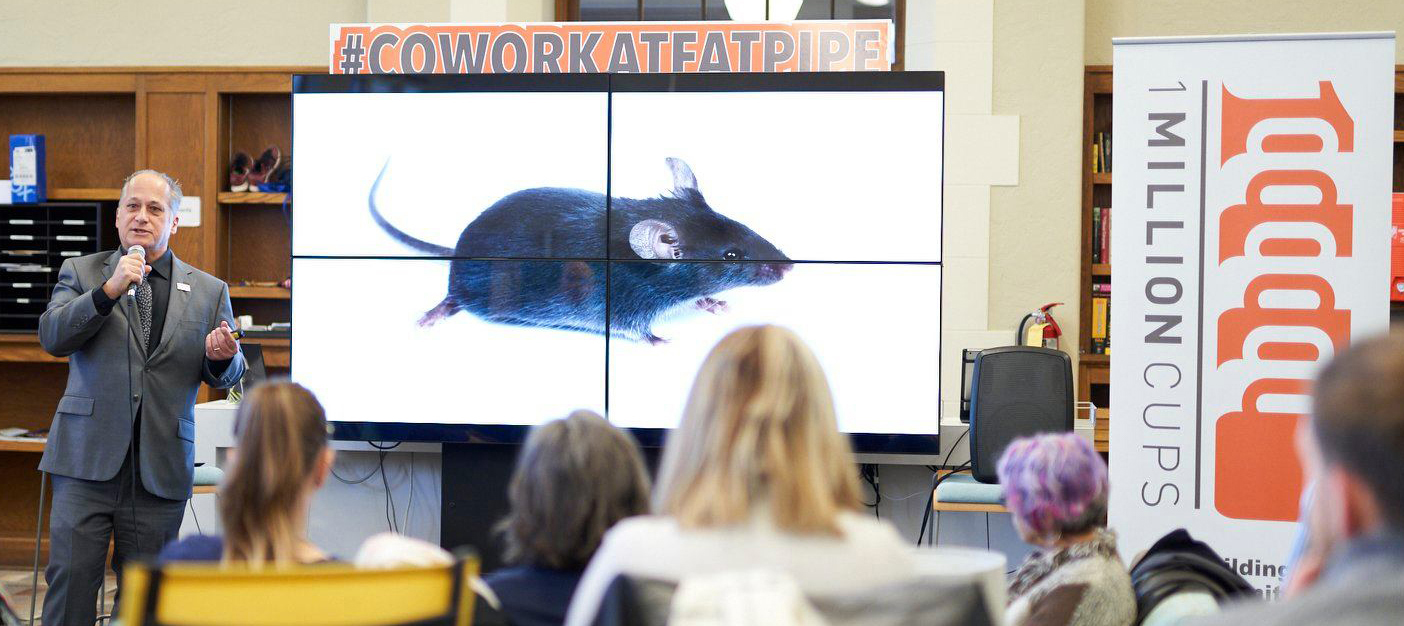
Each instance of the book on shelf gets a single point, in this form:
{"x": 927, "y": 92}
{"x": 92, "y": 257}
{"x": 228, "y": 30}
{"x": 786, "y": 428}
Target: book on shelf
{"x": 1101, "y": 289}
{"x": 1101, "y": 153}
{"x": 1096, "y": 235}
{"x": 1101, "y": 306}
{"x": 1105, "y": 250}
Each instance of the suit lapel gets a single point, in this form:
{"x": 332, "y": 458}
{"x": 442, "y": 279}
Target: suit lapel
{"x": 120, "y": 308}
{"x": 175, "y": 308}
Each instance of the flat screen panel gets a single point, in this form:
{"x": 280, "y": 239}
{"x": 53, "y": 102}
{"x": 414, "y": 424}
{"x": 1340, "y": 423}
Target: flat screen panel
{"x": 818, "y": 176}
{"x": 442, "y": 161}
{"x": 363, "y": 344}
{"x": 875, "y": 328}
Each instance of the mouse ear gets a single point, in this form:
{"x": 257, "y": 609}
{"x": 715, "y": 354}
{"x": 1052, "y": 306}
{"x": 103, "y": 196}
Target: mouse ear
{"x": 683, "y": 179}
{"x": 654, "y": 239}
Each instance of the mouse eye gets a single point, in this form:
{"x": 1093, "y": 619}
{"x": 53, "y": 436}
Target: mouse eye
{"x": 732, "y": 254}
{"x": 668, "y": 239}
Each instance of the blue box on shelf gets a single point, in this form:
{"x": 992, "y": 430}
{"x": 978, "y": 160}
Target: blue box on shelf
{"x": 28, "y": 184}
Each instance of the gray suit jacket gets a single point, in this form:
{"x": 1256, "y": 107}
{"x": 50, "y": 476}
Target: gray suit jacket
{"x": 1363, "y": 585}
{"x": 92, "y": 425}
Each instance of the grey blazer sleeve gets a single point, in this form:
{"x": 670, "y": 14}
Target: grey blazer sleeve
{"x": 235, "y": 370}
{"x": 72, "y": 318}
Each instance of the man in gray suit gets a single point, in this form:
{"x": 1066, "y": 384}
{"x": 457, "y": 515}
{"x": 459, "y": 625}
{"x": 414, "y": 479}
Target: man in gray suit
{"x": 140, "y": 333}
{"x": 1353, "y": 450}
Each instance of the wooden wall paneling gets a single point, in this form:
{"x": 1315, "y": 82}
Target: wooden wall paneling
{"x": 215, "y": 180}
{"x": 26, "y": 80}
{"x": 31, "y": 391}
{"x": 260, "y": 243}
{"x": 19, "y": 503}
{"x": 89, "y": 138}
{"x": 257, "y": 121}
{"x": 174, "y": 141}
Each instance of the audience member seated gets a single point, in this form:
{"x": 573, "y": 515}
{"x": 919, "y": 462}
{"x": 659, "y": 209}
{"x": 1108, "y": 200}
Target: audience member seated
{"x": 281, "y": 459}
{"x": 575, "y": 478}
{"x": 757, "y": 476}
{"x": 1056, "y": 489}
{"x": 1352, "y": 449}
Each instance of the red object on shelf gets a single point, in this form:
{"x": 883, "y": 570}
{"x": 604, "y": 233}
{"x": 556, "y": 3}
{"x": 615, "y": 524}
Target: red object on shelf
{"x": 1396, "y": 281}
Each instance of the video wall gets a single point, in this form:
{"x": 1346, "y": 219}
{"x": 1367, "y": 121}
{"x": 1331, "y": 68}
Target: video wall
{"x": 473, "y": 255}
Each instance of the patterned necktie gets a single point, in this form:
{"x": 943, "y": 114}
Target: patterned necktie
{"x": 143, "y": 302}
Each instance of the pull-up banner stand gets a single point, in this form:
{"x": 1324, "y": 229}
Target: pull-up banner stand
{"x": 805, "y": 46}
{"x": 1251, "y": 243}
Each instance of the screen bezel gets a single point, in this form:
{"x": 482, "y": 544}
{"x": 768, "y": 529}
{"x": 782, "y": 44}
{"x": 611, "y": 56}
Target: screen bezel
{"x": 863, "y": 443}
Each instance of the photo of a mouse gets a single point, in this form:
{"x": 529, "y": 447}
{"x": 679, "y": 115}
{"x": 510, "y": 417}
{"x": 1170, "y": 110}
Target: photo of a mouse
{"x": 536, "y": 258}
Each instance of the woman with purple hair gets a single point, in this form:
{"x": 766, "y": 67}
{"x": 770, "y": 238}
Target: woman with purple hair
{"x": 1056, "y": 489}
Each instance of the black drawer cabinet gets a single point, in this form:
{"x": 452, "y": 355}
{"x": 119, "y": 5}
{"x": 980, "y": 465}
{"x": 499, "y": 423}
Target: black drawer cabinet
{"x": 35, "y": 239}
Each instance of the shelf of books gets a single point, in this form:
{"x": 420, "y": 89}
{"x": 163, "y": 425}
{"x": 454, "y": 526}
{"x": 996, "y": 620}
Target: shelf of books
{"x": 1095, "y": 301}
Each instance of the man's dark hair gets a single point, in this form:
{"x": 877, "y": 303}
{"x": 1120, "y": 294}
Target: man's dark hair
{"x": 575, "y": 478}
{"x": 1358, "y": 418}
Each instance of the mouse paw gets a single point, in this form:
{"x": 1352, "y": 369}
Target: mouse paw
{"x": 713, "y": 305}
{"x": 443, "y": 310}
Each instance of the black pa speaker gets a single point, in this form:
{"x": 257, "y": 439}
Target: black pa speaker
{"x": 1015, "y": 392}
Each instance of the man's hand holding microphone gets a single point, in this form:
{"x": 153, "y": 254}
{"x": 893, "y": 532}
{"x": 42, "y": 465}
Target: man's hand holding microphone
{"x": 130, "y": 270}
{"x": 220, "y": 345}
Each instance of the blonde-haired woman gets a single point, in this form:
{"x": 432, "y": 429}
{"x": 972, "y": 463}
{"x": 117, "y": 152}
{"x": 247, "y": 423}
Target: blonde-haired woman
{"x": 281, "y": 459}
{"x": 756, "y": 476}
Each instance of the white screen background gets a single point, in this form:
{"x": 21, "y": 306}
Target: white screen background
{"x": 772, "y": 161}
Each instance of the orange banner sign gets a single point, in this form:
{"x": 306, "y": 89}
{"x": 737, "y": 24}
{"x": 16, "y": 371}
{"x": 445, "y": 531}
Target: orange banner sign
{"x": 636, "y": 47}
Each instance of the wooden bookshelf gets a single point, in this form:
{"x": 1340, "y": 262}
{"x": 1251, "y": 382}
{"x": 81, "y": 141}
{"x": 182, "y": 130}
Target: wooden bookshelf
{"x": 100, "y": 125}
{"x": 15, "y": 444}
{"x": 251, "y": 197}
{"x": 262, "y": 293}
{"x": 1093, "y": 370}
{"x": 111, "y": 194}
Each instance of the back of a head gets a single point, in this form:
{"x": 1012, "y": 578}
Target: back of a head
{"x": 575, "y": 478}
{"x": 1054, "y": 484}
{"x": 282, "y": 432}
{"x": 1358, "y": 418}
{"x": 759, "y": 428}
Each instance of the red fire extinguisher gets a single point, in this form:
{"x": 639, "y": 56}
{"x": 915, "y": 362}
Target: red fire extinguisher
{"x": 1039, "y": 329}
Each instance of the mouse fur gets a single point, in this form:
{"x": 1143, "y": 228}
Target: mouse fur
{"x": 669, "y": 251}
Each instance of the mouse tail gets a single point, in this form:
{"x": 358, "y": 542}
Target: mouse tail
{"x": 400, "y": 235}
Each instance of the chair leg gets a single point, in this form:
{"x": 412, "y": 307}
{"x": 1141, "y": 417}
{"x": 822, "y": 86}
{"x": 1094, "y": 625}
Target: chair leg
{"x": 987, "y": 531}
{"x": 935, "y": 532}
{"x": 38, "y": 536}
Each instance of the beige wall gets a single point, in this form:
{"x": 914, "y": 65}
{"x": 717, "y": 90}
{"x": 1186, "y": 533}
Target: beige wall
{"x": 43, "y": 33}
{"x": 1034, "y": 226}
{"x": 1145, "y": 18}
{"x": 1014, "y": 67}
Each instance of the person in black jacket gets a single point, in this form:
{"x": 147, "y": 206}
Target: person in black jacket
{"x": 574, "y": 479}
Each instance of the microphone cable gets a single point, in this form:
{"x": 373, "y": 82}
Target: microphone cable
{"x": 132, "y": 412}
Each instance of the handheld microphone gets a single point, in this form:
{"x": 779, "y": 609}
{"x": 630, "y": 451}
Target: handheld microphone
{"x": 131, "y": 289}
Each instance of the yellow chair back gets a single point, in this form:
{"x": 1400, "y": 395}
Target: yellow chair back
{"x": 188, "y": 594}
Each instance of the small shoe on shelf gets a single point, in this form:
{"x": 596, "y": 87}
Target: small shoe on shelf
{"x": 239, "y": 172}
{"x": 266, "y": 164}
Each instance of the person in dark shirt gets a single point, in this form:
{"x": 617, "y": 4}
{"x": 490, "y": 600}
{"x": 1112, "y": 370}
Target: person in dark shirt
{"x": 281, "y": 460}
{"x": 574, "y": 479}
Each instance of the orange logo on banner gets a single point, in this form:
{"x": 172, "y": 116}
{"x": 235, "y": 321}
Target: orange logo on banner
{"x": 1257, "y": 473}
{"x": 1240, "y": 219}
{"x": 1261, "y": 478}
{"x": 1236, "y": 324}
{"x": 1240, "y": 115}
